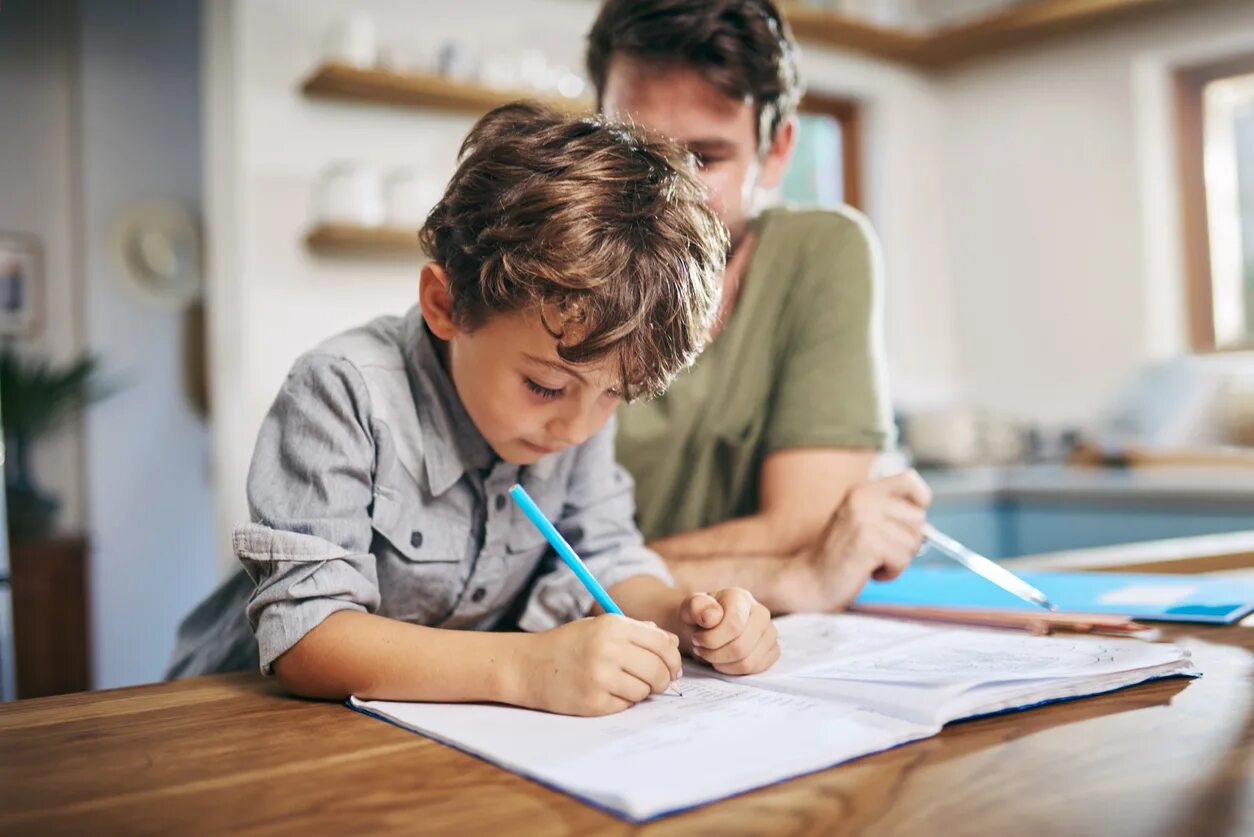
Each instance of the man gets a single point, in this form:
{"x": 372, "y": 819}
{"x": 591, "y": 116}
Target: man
{"x": 740, "y": 465}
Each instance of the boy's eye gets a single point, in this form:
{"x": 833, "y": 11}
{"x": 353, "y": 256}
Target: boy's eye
{"x": 542, "y": 391}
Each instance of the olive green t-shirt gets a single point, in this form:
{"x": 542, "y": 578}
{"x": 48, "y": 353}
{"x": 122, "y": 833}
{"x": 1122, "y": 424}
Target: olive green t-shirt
{"x": 799, "y": 364}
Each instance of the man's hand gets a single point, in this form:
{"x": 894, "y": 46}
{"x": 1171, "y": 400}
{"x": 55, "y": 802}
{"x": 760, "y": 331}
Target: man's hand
{"x": 874, "y": 534}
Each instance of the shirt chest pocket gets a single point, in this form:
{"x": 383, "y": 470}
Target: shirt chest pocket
{"x": 525, "y": 546}
{"x": 422, "y": 557}
{"x": 525, "y": 542}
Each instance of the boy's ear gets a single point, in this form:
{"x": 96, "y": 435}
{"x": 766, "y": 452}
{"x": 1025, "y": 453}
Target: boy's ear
{"x": 775, "y": 162}
{"x": 436, "y": 301}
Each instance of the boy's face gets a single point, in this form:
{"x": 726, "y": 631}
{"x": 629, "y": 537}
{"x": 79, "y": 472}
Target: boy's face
{"x": 721, "y": 132}
{"x": 526, "y": 402}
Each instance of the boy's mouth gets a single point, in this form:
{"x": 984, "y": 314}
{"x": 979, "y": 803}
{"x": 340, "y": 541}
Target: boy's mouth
{"x": 539, "y": 450}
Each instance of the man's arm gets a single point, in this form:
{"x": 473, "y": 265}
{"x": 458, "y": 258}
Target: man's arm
{"x": 829, "y": 414}
{"x": 873, "y": 534}
{"x": 798, "y": 491}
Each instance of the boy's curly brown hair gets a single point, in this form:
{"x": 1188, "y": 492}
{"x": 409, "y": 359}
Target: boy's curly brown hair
{"x": 600, "y": 228}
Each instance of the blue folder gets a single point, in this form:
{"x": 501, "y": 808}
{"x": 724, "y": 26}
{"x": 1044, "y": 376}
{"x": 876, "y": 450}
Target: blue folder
{"x": 1162, "y": 597}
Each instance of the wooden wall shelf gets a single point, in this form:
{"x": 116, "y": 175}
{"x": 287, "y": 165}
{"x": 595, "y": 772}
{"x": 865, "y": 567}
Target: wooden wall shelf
{"x": 836, "y": 30}
{"x": 1016, "y": 25}
{"x": 421, "y": 90}
{"x": 347, "y": 240}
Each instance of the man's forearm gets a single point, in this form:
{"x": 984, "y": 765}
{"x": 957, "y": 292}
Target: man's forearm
{"x": 772, "y": 579}
{"x": 757, "y": 534}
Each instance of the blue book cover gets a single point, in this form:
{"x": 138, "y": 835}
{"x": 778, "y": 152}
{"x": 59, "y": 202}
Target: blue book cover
{"x": 1163, "y": 597}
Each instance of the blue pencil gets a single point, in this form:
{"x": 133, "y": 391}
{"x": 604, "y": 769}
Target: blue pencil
{"x": 567, "y": 553}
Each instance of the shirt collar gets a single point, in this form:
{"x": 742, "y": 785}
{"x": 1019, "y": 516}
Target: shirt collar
{"x": 452, "y": 445}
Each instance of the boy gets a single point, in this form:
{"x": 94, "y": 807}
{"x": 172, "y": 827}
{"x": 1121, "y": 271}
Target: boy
{"x": 573, "y": 265}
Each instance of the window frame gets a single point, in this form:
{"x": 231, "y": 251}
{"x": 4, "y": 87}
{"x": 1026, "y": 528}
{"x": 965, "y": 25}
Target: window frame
{"x": 1189, "y": 84}
{"x": 848, "y": 113}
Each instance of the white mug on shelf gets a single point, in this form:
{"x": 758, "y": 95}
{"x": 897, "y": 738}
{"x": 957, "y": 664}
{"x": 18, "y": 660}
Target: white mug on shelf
{"x": 501, "y": 71}
{"x": 353, "y": 41}
{"x": 409, "y": 198}
{"x": 350, "y": 193}
{"x": 457, "y": 61}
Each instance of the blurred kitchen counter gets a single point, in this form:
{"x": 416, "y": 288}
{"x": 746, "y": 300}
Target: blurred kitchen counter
{"x": 1022, "y": 510}
{"x": 1062, "y": 483}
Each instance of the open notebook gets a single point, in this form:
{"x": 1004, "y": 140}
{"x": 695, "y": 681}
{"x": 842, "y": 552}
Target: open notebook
{"x": 845, "y": 686}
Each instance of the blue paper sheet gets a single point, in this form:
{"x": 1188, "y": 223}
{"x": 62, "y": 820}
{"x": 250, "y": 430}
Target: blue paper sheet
{"x": 1162, "y": 597}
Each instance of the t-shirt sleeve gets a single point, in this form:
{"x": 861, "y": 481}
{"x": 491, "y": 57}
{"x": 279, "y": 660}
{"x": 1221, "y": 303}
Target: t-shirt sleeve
{"x": 831, "y": 390}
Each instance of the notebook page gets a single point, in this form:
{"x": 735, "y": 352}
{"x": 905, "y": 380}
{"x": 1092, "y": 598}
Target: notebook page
{"x": 977, "y": 656}
{"x": 932, "y": 674}
{"x": 668, "y": 753}
{"x": 1000, "y": 697}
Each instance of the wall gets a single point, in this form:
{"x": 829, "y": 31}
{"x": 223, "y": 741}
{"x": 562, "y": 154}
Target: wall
{"x": 903, "y": 124}
{"x": 147, "y": 453}
{"x": 38, "y": 190}
{"x": 1061, "y": 219}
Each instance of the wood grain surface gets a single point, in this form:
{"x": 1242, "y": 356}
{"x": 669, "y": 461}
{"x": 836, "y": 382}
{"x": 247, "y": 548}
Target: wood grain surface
{"x": 231, "y": 753}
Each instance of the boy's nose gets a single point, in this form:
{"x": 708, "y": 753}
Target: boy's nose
{"x": 566, "y": 433}
{"x": 573, "y": 427}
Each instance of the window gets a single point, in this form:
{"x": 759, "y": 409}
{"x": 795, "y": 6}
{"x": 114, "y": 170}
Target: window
{"x": 1215, "y": 108}
{"x": 826, "y": 164}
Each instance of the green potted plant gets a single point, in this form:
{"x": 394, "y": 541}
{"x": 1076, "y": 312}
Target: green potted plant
{"x": 35, "y": 396}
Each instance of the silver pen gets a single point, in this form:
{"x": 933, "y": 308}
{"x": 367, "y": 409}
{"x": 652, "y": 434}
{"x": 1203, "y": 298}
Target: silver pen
{"x": 982, "y": 566}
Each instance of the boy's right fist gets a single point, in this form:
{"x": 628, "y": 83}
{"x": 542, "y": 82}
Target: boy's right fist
{"x": 597, "y": 666}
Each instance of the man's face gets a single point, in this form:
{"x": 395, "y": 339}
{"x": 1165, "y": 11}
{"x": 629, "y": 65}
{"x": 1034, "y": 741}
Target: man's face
{"x": 676, "y": 101}
{"x": 525, "y": 401}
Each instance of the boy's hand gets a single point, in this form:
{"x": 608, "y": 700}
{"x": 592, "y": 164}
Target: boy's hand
{"x": 597, "y": 666}
{"x": 730, "y": 630}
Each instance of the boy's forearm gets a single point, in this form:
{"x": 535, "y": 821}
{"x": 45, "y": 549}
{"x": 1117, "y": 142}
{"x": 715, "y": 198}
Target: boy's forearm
{"x": 649, "y": 599}
{"x": 354, "y": 653}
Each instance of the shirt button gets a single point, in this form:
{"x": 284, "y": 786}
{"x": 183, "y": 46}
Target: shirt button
{"x": 478, "y": 595}
{"x": 415, "y": 540}
{"x": 500, "y": 502}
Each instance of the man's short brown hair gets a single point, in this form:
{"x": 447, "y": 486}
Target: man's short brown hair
{"x": 601, "y": 228}
{"x": 742, "y": 47}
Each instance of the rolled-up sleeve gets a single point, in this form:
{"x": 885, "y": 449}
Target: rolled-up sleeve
{"x": 310, "y": 493}
{"x": 598, "y": 521}
{"x": 300, "y": 581}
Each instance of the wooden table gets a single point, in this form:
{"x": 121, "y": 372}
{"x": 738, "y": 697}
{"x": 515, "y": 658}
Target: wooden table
{"x": 230, "y": 753}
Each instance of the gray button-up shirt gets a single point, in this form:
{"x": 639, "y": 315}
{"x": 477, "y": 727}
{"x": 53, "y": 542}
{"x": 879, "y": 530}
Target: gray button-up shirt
{"x": 371, "y": 490}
